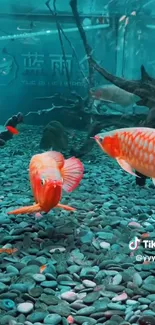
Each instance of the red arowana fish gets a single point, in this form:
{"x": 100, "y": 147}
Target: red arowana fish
{"x": 133, "y": 148}
{"x": 49, "y": 174}
{"x": 8, "y": 250}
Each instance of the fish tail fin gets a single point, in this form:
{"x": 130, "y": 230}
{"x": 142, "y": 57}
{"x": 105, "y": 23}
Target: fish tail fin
{"x": 72, "y": 173}
{"x": 27, "y": 209}
{"x": 65, "y": 207}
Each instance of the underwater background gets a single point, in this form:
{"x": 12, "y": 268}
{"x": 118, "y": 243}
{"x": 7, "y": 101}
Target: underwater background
{"x": 68, "y": 71}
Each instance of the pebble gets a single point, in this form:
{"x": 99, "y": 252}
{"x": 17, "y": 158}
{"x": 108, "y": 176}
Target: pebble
{"x": 37, "y": 316}
{"x": 52, "y": 319}
{"x": 121, "y": 297}
{"x": 91, "y": 297}
{"x": 89, "y": 284}
{"x": 25, "y": 307}
{"x": 69, "y": 296}
{"x": 86, "y": 311}
{"x": 137, "y": 280}
{"x": 49, "y": 284}
{"x": 117, "y": 279}
{"x": 82, "y": 319}
{"x": 39, "y": 277}
{"x": 149, "y": 287}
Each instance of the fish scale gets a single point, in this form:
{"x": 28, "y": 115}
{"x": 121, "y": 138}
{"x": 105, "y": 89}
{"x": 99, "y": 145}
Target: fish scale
{"x": 139, "y": 144}
{"x": 134, "y": 148}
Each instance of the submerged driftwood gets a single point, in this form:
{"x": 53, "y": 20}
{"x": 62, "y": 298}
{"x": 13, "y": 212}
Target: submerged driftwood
{"x": 12, "y": 121}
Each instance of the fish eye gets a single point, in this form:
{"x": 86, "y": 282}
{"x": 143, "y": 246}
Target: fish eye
{"x": 100, "y": 139}
{"x": 42, "y": 181}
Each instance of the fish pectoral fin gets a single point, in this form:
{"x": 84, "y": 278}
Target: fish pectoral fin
{"x": 124, "y": 165}
{"x": 27, "y": 209}
{"x": 65, "y": 207}
{"x": 72, "y": 173}
{"x": 153, "y": 180}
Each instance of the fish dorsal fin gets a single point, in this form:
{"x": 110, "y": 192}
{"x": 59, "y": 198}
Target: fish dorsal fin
{"x": 124, "y": 165}
{"x": 72, "y": 174}
{"x": 144, "y": 75}
{"x": 58, "y": 157}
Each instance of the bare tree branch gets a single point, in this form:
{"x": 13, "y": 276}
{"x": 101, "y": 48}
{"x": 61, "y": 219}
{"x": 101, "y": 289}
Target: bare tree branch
{"x": 54, "y": 14}
{"x": 88, "y": 49}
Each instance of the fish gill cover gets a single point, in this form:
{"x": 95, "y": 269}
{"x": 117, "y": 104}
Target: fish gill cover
{"x": 77, "y": 217}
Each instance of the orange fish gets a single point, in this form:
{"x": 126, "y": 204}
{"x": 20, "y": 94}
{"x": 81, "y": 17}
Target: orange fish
{"x": 11, "y": 129}
{"x": 133, "y": 148}
{"x": 42, "y": 268}
{"x": 145, "y": 235}
{"x": 70, "y": 319}
{"x": 8, "y": 250}
{"x": 49, "y": 174}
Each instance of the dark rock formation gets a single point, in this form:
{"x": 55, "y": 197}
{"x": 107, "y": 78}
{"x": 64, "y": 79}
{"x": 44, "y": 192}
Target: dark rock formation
{"x": 54, "y": 137}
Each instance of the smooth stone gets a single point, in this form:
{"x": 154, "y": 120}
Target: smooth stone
{"x": 89, "y": 284}
{"x": 82, "y": 319}
{"x": 5, "y": 279}
{"x": 91, "y": 297}
{"x": 7, "y": 319}
{"x": 12, "y": 269}
{"x": 3, "y": 287}
{"x": 132, "y": 302}
{"x": 110, "y": 272}
{"x": 35, "y": 292}
{"x": 137, "y": 280}
{"x": 101, "y": 305}
{"x": 4, "y": 219}
{"x": 116, "y": 306}
{"x": 20, "y": 287}
{"x": 37, "y": 316}
{"x": 144, "y": 300}
{"x": 52, "y": 319}
{"x": 68, "y": 283}
{"x": 25, "y": 307}
{"x": 49, "y": 299}
{"x": 39, "y": 277}
{"x": 30, "y": 269}
{"x": 74, "y": 269}
{"x": 117, "y": 279}
{"x": 86, "y": 311}
{"x": 88, "y": 270}
{"x": 49, "y": 284}
{"x": 105, "y": 235}
{"x": 115, "y": 288}
{"x": 149, "y": 287}
{"x": 62, "y": 309}
{"x": 152, "y": 306}
{"x": 105, "y": 245}
{"x": 87, "y": 238}
{"x": 64, "y": 277}
{"x": 69, "y": 296}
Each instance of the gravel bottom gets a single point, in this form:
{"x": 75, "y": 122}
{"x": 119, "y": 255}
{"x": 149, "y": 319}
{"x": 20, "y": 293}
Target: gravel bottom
{"x": 90, "y": 276}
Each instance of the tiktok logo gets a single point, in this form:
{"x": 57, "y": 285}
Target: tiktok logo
{"x": 133, "y": 245}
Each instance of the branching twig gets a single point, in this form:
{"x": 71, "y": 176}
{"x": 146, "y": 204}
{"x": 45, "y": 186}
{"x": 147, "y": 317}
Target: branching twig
{"x": 40, "y": 112}
{"x": 73, "y": 4}
{"x": 73, "y": 49}
{"x": 54, "y": 13}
